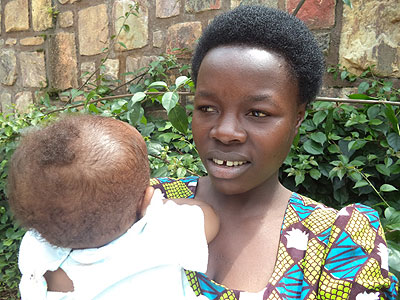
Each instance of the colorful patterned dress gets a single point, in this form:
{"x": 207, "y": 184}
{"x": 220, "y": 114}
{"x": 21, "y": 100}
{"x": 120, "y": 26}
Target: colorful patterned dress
{"x": 322, "y": 254}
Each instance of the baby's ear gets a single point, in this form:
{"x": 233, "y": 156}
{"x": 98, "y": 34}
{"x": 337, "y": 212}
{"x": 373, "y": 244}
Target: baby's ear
{"x": 148, "y": 194}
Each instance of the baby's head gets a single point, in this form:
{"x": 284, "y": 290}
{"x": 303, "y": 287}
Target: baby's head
{"x": 80, "y": 182}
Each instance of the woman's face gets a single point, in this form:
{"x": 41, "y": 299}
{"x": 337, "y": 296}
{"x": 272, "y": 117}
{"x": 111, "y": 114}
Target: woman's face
{"x": 246, "y": 116}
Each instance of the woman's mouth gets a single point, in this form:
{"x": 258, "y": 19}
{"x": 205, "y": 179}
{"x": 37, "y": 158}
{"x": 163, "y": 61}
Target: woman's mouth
{"x": 229, "y": 163}
{"x": 226, "y": 169}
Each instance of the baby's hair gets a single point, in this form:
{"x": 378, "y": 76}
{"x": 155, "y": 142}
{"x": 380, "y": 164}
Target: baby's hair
{"x": 79, "y": 179}
{"x": 269, "y": 29}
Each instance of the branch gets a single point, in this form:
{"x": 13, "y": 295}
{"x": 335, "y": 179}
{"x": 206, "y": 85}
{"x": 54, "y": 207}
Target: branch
{"x": 298, "y": 7}
{"x": 325, "y": 99}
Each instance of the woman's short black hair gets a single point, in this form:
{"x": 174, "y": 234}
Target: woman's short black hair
{"x": 270, "y": 29}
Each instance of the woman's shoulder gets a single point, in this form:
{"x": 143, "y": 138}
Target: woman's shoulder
{"x": 354, "y": 252}
{"x": 355, "y": 224}
{"x": 309, "y": 209}
{"x": 176, "y": 188}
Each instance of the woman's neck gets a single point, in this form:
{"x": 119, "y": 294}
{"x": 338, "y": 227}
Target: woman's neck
{"x": 269, "y": 196}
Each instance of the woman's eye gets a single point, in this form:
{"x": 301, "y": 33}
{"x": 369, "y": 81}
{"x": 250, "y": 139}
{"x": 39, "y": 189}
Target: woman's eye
{"x": 207, "y": 109}
{"x": 257, "y": 114}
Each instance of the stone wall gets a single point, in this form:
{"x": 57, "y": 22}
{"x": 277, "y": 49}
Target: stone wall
{"x": 51, "y": 43}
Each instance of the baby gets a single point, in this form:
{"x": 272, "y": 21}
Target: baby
{"x": 97, "y": 230}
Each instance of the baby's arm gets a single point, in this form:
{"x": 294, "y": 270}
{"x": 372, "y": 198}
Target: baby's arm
{"x": 211, "y": 219}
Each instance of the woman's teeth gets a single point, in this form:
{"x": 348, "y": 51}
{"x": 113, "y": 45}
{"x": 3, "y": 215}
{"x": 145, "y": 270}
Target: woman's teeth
{"x": 228, "y": 163}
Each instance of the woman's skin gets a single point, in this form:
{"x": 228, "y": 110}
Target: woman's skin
{"x": 246, "y": 114}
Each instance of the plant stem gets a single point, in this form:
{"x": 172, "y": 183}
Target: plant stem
{"x": 298, "y": 7}
{"x": 373, "y": 187}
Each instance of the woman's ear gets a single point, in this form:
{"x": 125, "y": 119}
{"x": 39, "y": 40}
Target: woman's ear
{"x": 301, "y": 111}
{"x": 148, "y": 194}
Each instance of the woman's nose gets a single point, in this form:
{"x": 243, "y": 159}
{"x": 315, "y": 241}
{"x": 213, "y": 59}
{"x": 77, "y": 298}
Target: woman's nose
{"x": 228, "y": 130}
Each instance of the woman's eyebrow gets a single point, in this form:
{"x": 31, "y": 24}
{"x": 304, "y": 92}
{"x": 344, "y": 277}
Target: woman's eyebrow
{"x": 266, "y": 98}
{"x": 204, "y": 94}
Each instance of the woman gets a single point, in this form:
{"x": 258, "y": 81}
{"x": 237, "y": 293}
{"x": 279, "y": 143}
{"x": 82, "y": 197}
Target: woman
{"x": 255, "y": 70}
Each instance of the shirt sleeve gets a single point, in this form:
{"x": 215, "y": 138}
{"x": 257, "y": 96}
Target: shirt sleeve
{"x": 36, "y": 256}
{"x": 356, "y": 264}
{"x": 180, "y": 233}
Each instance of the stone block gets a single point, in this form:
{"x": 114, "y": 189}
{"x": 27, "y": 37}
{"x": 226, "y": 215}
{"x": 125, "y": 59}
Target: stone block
{"x": 183, "y": 35}
{"x": 67, "y": 1}
{"x": 8, "y": 66}
{"x": 371, "y": 36}
{"x": 269, "y": 3}
{"x": 158, "y": 39}
{"x": 137, "y": 36}
{"x": 133, "y": 65}
{"x": 22, "y": 102}
{"x": 317, "y": 14}
{"x": 5, "y": 103}
{"x": 167, "y": 8}
{"x": 11, "y": 42}
{"x": 42, "y": 19}
{"x": 93, "y": 29}
{"x": 194, "y": 6}
{"x": 66, "y": 19}
{"x": 1, "y": 13}
{"x": 32, "y": 41}
{"x": 16, "y": 15}
{"x": 33, "y": 69}
{"x": 87, "y": 69}
{"x": 323, "y": 40}
{"x": 110, "y": 70}
{"x": 62, "y": 61}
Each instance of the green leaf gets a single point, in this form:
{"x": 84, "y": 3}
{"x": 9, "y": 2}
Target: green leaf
{"x": 363, "y": 87}
{"x": 168, "y": 136}
{"x": 154, "y": 148}
{"x": 299, "y": 178}
{"x": 147, "y": 129}
{"x": 387, "y": 188}
{"x": 134, "y": 114}
{"x": 126, "y": 27}
{"x": 318, "y": 137}
{"x": 333, "y": 148}
{"x": 357, "y": 144}
{"x": 159, "y": 84}
{"x": 181, "y": 172}
{"x": 393, "y": 140}
{"x": 169, "y": 101}
{"x": 375, "y": 122}
{"x": 313, "y": 147}
{"x": 181, "y": 80}
{"x": 360, "y": 183}
{"x": 178, "y": 118}
{"x": 319, "y": 117}
{"x": 383, "y": 169}
{"x": 75, "y": 93}
{"x": 136, "y": 98}
{"x": 360, "y": 97}
{"x": 160, "y": 172}
{"x": 374, "y": 111}
{"x": 392, "y": 215}
{"x": 395, "y": 226}
{"x": 329, "y": 122}
{"x": 394, "y": 255}
{"x": 390, "y": 114}
{"x": 315, "y": 174}
{"x": 123, "y": 45}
